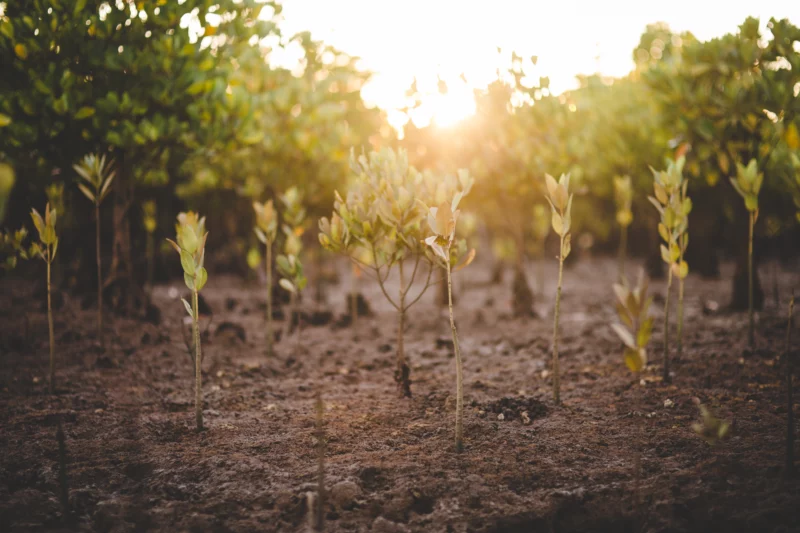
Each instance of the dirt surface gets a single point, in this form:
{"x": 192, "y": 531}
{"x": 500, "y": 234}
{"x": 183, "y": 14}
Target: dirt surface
{"x": 135, "y": 463}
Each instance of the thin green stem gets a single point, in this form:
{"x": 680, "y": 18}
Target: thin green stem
{"x": 50, "y": 326}
{"x": 666, "y": 325}
{"x": 680, "y": 303}
{"x": 623, "y": 245}
{"x": 354, "y": 295}
{"x": 751, "y": 329}
{"x": 100, "y": 335}
{"x": 402, "y": 372}
{"x": 459, "y": 365}
{"x": 150, "y": 260}
{"x": 556, "y": 371}
{"x": 198, "y": 361}
{"x": 270, "y": 335}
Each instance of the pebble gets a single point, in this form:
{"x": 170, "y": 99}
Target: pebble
{"x": 343, "y": 494}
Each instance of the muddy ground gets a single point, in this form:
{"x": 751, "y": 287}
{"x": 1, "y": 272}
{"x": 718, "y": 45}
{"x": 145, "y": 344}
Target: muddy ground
{"x": 135, "y": 463}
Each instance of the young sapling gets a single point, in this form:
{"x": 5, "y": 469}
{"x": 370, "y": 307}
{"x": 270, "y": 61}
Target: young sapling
{"x": 748, "y": 183}
{"x": 97, "y": 176}
{"x": 561, "y": 206}
{"x": 293, "y": 281}
{"x": 710, "y": 428}
{"x": 266, "y": 230}
{"x": 623, "y": 197}
{"x": 46, "y": 249}
{"x": 191, "y": 236}
{"x": 289, "y": 264}
{"x": 673, "y": 207}
{"x": 442, "y": 221}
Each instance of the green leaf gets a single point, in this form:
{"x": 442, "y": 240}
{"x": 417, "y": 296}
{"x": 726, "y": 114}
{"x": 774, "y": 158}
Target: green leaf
{"x": 624, "y": 335}
{"x": 287, "y": 285}
{"x": 189, "y": 280}
{"x": 634, "y": 359}
{"x": 5, "y": 120}
{"x": 188, "y": 307}
{"x": 202, "y": 278}
{"x": 84, "y": 112}
{"x": 187, "y": 262}
{"x": 86, "y": 192}
{"x": 751, "y": 202}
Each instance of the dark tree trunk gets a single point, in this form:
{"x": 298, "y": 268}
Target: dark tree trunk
{"x": 522, "y": 295}
{"x": 739, "y": 301}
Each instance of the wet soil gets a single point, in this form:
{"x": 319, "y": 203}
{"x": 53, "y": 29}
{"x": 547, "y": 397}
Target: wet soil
{"x": 134, "y": 461}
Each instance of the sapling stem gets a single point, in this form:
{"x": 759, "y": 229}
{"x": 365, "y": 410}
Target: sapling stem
{"x": 459, "y": 365}
{"x": 198, "y": 361}
{"x": 50, "y": 327}
{"x": 556, "y": 372}
{"x": 270, "y": 335}
{"x": 680, "y": 303}
{"x": 150, "y": 252}
{"x": 751, "y": 327}
{"x": 789, "y": 399}
{"x": 402, "y": 374}
{"x": 100, "y": 335}
{"x": 623, "y": 245}
{"x": 319, "y": 514}
{"x": 666, "y": 327}
{"x": 354, "y": 294}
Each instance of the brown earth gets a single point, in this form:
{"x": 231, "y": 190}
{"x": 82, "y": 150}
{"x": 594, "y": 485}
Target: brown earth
{"x": 135, "y": 462}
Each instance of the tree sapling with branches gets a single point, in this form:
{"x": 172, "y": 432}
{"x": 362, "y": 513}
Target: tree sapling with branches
{"x": 561, "y": 206}
{"x": 46, "y": 249}
{"x": 191, "y": 236}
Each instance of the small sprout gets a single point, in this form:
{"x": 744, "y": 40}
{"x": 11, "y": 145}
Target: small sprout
{"x": 623, "y": 197}
{"x": 442, "y": 221}
{"x": 266, "y": 230}
{"x": 635, "y": 325}
{"x": 673, "y": 206}
{"x": 748, "y": 183}
{"x": 710, "y": 428}
{"x": 289, "y": 264}
{"x": 97, "y": 177}
{"x": 191, "y": 237}
{"x": 561, "y": 218}
{"x": 46, "y": 249}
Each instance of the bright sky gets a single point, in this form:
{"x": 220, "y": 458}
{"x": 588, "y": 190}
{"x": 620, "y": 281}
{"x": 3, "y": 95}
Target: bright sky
{"x": 401, "y": 39}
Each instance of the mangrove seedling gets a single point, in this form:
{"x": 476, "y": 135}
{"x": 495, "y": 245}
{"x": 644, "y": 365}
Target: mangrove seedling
{"x": 635, "y": 325}
{"x": 97, "y": 176}
{"x": 747, "y": 183}
{"x": 623, "y": 198}
{"x": 561, "y": 206}
{"x": 383, "y": 214}
{"x": 710, "y": 428}
{"x": 267, "y": 230}
{"x": 46, "y": 249}
{"x": 673, "y": 207}
{"x": 191, "y": 236}
{"x": 149, "y": 223}
{"x": 442, "y": 221}
{"x": 293, "y": 281}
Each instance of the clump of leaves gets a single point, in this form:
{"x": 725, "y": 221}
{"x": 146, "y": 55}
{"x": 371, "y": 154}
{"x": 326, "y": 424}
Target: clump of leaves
{"x": 12, "y": 248}
{"x": 7, "y": 180}
{"x": 673, "y": 206}
{"x": 636, "y": 326}
{"x": 46, "y": 250}
{"x": 191, "y": 236}
{"x": 383, "y": 215}
{"x": 97, "y": 177}
{"x": 623, "y": 198}
{"x": 748, "y": 183}
{"x": 442, "y": 222}
{"x": 710, "y": 428}
{"x": 290, "y": 267}
{"x": 266, "y": 230}
{"x": 561, "y": 207}
{"x": 149, "y": 221}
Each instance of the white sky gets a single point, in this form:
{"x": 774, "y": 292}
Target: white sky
{"x": 401, "y": 39}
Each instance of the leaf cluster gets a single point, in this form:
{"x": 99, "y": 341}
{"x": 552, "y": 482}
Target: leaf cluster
{"x": 97, "y": 175}
{"x": 748, "y": 183}
{"x": 710, "y": 428}
{"x": 12, "y": 248}
{"x": 290, "y": 267}
{"x": 673, "y": 205}
{"x": 266, "y": 222}
{"x": 48, "y": 239}
{"x": 191, "y": 236}
{"x": 623, "y": 197}
{"x": 636, "y": 326}
{"x": 560, "y": 198}
{"x": 149, "y": 216}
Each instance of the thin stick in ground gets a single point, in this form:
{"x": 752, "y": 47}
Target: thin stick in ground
{"x": 789, "y": 399}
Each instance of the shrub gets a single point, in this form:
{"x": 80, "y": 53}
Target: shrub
{"x": 267, "y": 231}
